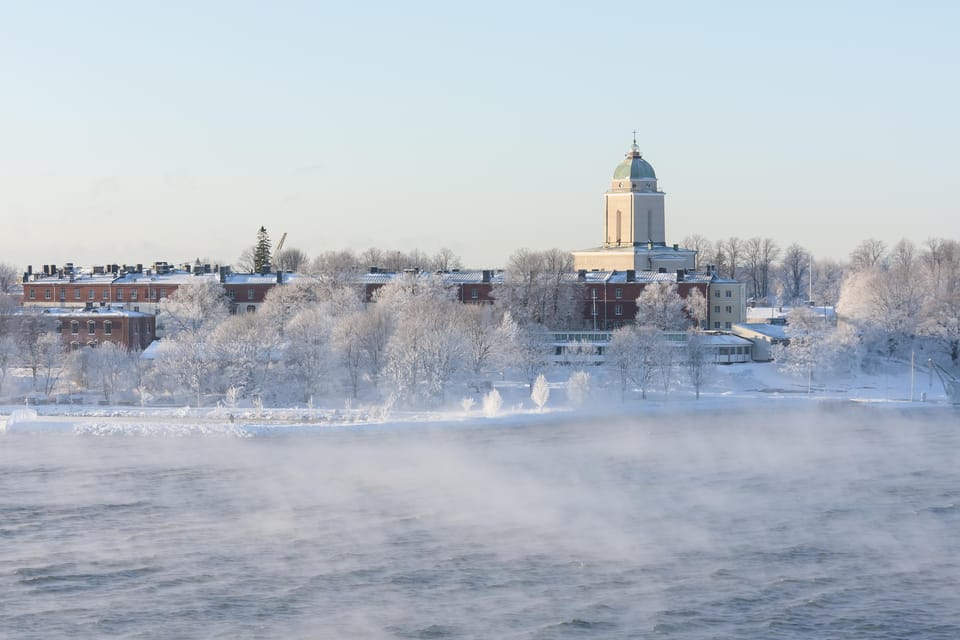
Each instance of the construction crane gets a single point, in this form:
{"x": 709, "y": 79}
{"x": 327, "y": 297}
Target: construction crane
{"x": 276, "y": 252}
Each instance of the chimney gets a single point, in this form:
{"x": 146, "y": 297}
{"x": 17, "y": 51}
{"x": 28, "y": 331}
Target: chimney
{"x": 582, "y": 275}
{"x": 485, "y": 275}
{"x": 374, "y": 270}
{"x": 631, "y": 275}
{"x": 29, "y": 269}
{"x": 279, "y": 276}
{"x": 681, "y": 275}
{"x": 223, "y": 276}
{"x": 676, "y": 247}
{"x": 662, "y": 270}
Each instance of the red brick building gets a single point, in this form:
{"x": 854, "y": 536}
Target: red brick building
{"x": 131, "y": 330}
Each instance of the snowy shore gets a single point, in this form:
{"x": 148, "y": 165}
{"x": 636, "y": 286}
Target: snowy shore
{"x": 734, "y": 389}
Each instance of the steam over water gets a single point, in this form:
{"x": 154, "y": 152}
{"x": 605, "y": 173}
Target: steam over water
{"x": 817, "y": 525}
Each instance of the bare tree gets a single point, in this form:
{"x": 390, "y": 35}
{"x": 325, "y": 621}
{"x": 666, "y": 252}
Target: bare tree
{"x": 795, "y": 268}
{"x": 290, "y": 259}
{"x": 733, "y": 250}
{"x": 868, "y": 254}
{"x": 701, "y": 245}
{"x": 445, "y": 260}
{"x": 9, "y": 276}
{"x": 760, "y": 254}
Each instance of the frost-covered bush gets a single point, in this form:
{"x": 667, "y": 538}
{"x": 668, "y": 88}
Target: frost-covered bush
{"x": 578, "y": 388}
{"x": 492, "y": 403}
{"x": 540, "y": 393}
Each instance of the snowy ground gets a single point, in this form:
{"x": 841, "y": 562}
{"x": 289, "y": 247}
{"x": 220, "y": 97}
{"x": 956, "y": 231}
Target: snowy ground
{"x": 729, "y": 388}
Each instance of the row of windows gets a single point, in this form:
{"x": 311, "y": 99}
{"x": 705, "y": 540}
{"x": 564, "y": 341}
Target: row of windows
{"x": 726, "y": 325}
{"x": 726, "y": 294}
{"x": 91, "y": 327}
{"x": 728, "y": 309}
{"x": 153, "y": 294}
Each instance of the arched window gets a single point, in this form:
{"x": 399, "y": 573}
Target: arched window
{"x": 91, "y": 327}
{"x": 107, "y": 327}
{"x": 74, "y": 327}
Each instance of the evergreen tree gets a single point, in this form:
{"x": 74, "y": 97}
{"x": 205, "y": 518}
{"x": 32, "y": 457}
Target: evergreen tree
{"x": 261, "y": 252}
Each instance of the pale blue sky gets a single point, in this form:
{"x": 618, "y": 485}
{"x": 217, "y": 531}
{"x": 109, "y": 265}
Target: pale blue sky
{"x": 142, "y": 131}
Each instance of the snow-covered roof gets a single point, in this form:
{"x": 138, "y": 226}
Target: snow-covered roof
{"x": 724, "y": 340}
{"x": 259, "y": 278}
{"x": 95, "y": 311}
{"x": 772, "y": 331}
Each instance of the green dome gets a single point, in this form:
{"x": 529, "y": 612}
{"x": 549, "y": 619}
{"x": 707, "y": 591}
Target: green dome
{"x": 634, "y": 167}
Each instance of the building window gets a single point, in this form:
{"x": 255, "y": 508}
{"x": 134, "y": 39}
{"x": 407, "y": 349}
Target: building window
{"x": 133, "y": 294}
{"x": 91, "y": 344}
{"x": 33, "y": 294}
{"x": 716, "y": 294}
{"x": 231, "y": 294}
{"x": 249, "y": 294}
{"x": 106, "y": 294}
{"x": 91, "y": 294}
{"x": 716, "y": 325}
{"x": 618, "y": 309}
{"x": 729, "y": 309}
{"x": 728, "y": 293}
{"x": 120, "y": 295}
{"x": 47, "y": 294}
{"x": 618, "y": 293}
{"x": 63, "y": 294}
{"x": 74, "y": 327}
{"x": 727, "y": 325}
{"x": 76, "y": 293}
{"x": 91, "y": 327}
{"x": 251, "y": 308}
{"x": 474, "y": 294}
{"x": 74, "y": 346}
{"x": 163, "y": 292}
{"x": 107, "y": 327}
{"x": 60, "y": 327}
{"x": 716, "y": 309}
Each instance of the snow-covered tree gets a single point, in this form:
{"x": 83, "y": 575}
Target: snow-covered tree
{"x": 426, "y": 348}
{"x": 480, "y": 330}
{"x": 540, "y": 392}
{"x": 109, "y": 368}
{"x": 199, "y": 304}
{"x": 527, "y": 347}
{"x": 578, "y": 388}
{"x": 696, "y": 307}
{"x": 660, "y": 306}
{"x": 536, "y": 288}
{"x": 697, "y": 360}
{"x": 632, "y": 355}
{"x": 308, "y": 352}
{"x": 9, "y": 276}
{"x": 50, "y": 359}
{"x": 244, "y": 347}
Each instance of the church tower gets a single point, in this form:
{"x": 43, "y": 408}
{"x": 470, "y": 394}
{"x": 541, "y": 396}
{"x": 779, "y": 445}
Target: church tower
{"x": 634, "y": 205}
{"x": 634, "y": 233}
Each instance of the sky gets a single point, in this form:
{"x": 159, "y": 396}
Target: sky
{"x": 134, "y": 132}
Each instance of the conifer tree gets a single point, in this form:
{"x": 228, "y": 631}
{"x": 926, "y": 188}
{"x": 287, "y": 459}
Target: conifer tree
{"x": 261, "y": 252}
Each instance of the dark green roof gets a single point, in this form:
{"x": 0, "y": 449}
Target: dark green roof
{"x": 634, "y": 168}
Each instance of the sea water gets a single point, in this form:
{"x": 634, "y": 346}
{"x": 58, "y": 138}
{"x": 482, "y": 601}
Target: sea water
{"x": 767, "y": 524}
